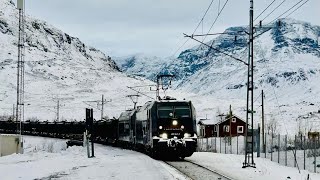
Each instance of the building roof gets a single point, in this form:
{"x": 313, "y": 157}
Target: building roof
{"x": 229, "y": 118}
{"x": 207, "y": 122}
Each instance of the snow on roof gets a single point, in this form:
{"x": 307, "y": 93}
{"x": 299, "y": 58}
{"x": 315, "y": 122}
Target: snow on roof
{"x": 207, "y": 121}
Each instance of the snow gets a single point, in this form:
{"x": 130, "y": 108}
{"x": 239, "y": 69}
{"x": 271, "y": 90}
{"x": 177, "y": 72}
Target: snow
{"x": 286, "y": 63}
{"x": 231, "y": 165}
{"x": 58, "y": 66}
{"x": 46, "y": 158}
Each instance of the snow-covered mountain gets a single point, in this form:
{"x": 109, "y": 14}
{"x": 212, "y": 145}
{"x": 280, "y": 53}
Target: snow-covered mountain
{"x": 57, "y": 66}
{"x": 143, "y": 65}
{"x": 287, "y": 66}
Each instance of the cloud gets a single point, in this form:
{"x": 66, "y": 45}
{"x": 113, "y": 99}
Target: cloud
{"x": 123, "y": 27}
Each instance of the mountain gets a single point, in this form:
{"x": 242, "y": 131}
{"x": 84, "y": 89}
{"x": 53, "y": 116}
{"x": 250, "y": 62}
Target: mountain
{"x": 287, "y": 66}
{"x": 57, "y": 66}
{"x": 143, "y": 65}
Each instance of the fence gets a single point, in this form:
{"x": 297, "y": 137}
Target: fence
{"x": 293, "y": 151}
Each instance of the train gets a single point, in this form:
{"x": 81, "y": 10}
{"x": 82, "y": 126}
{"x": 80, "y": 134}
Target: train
{"x": 158, "y": 128}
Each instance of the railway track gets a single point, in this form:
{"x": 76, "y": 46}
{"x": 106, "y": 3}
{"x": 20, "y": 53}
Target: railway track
{"x": 195, "y": 171}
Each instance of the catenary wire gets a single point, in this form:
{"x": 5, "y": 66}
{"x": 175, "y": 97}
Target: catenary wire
{"x": 264, "y": 10}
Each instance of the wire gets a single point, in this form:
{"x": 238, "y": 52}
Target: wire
{"x": 273, "y": 10}
{"x": 237, "y": 59}
{"x": 279, "y": 108}
{"x": 237, "y": 69}
{"x": 257, "y": 97}
{"x": 297, "y": 8}
{"x": 283, "y": 14}
{"x": 180, "y": 47}
{"x": 288, "y": 10}
{"x": 264, "y": 10}
{"x": 219, "y": 13}
{"x": 201, "y": 21}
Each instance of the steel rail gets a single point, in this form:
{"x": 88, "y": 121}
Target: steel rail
{"x": 188, "y": 171}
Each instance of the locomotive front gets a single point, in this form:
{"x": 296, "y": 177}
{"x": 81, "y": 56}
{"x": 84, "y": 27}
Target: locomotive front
{"x": 175, "y": 128}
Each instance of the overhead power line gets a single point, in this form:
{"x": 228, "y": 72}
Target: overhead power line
{"x": 287, "y": 10}
{"x": 273, "y": 10}
{"x": 297, "y": 8}
{"x": 201, "y": 21}
{"x": 132, "y": 88}
{"x": 227, "y": 33}
{"x": 283, "y": 14}
{"x": 219, "y": 13}
{"x": 264, "y": 10}
{"x": 210, "y": 46}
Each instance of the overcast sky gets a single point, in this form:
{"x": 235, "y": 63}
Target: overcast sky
{"x": 152, "y": 27}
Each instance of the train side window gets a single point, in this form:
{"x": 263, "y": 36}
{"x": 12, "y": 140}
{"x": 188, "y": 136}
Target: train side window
{"x": 121, "y": 128}
{"x": 126, "y": 128}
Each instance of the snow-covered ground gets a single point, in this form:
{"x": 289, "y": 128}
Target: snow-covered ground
{"x": 47, "y": 158}
{"x": 231, "y": 165}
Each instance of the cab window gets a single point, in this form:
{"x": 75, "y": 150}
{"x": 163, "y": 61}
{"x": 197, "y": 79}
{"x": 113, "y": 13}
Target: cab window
{"x": 165, "y": 112}
{"x": 182, "y": 112}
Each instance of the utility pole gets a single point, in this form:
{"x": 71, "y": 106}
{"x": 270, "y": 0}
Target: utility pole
{"x": 103, "y": 101}
{"x": 13, "y": 109}
{"x": 134, "y": 99}
{"x": 263, "y": 140}
{"x": 58, "y": 109}
{"x": 102, "y": 104}
{"x": 249, "y": 162}
{"x": 230, "y": 123}
{"x": 20, "y": 73}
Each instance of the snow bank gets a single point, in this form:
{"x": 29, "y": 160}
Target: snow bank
{"x": 47, "y": 158}
{"x": 231, "y": 165}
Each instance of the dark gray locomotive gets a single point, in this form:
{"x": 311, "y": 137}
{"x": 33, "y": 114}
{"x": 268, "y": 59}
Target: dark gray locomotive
{"x": 159, "y": 128}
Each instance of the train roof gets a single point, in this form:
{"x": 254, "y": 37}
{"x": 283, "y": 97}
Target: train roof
{"x": 127, "y": 114}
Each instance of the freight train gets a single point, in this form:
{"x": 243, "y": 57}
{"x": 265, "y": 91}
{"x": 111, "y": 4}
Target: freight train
{"x": 159, "y": 128}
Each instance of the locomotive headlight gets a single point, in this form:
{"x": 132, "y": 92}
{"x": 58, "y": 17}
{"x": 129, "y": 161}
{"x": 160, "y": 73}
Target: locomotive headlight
{"x": 174, "y": 122}
{"x": 164, "y": 136}
{"x": 160, "y": 127}
{"x": 187, "y": 135}
{"x": 182, "y": 127}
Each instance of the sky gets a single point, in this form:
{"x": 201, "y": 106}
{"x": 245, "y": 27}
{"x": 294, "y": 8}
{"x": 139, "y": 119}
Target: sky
{"x": 154, "y": 27}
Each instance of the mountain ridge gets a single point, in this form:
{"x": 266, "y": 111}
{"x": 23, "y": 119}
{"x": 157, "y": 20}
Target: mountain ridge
{"x": 57, "y": 67}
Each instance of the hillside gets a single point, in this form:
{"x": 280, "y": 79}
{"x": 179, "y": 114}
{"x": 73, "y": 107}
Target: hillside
{"x": 57, "y": 66}
{"x": 287, "y": 66}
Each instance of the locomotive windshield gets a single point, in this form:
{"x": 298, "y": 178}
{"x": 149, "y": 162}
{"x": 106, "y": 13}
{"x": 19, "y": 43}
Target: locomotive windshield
{"x": 173, "y": 111}
{"x": 182, "y": 111}
{"x": 165, "y": 112}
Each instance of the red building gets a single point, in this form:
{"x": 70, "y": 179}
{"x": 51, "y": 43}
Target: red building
{"x": 233, "y": 126}
{"x": 206, "y": 127}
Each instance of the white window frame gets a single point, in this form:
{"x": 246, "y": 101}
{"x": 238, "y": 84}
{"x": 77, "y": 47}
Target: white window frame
{"x": 239, "y": 130}
{"x": 234, "y": 120}
{"x": 226, "y": 128}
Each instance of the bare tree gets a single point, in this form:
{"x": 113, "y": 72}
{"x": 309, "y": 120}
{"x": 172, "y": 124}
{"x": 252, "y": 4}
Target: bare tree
{"x": 272, "y": 126}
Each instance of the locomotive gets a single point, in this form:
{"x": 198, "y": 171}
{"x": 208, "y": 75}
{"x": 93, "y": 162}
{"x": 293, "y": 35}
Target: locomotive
{"x": 166, "y": 127}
